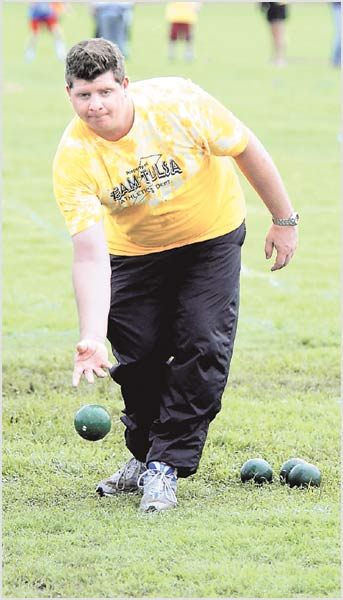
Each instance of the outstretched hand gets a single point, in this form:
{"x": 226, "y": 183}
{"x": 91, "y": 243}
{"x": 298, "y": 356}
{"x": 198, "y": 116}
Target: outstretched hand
{"x": 284, "y": 239}
{"x": 91, "y": 357}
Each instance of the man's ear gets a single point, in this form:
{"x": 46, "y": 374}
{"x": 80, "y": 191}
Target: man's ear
{"x": 125, "y": 83}
{"x": 68, "y": 90}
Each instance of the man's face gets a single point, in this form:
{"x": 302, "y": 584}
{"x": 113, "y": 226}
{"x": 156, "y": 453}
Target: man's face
{"x": 103, "y": 104}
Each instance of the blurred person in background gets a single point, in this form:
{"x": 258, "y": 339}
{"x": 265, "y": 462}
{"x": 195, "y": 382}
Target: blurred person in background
{"x": 337, "y": 38}
{"x": 181, "y": 17}
{"x": 276, "y": 15}
{"x": 45, "y": 15}
{"x": 144, "y": 176}
{"x": 113, "y": 21}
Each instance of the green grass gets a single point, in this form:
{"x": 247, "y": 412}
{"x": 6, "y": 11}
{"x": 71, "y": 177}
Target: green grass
{"x": 225, "y": 539}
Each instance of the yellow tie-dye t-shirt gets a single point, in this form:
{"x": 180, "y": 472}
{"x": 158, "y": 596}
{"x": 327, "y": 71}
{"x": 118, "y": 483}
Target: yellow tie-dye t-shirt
{"x": 169, "y": 182}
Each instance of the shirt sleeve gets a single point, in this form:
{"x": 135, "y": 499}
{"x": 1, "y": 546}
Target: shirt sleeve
{"x": 75, "y": 191}
{"x": 225, "y": 134}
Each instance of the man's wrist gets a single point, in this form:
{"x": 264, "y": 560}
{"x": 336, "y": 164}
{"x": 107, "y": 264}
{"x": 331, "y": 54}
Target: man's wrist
{"x": 292, "y": 220}
{"x": 93, "y": 338}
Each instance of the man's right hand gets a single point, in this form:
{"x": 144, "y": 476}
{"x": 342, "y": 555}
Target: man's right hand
{"x": 91, "y": 357}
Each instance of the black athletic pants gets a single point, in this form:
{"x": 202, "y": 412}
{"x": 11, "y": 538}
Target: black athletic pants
{"x": 172, "y": 326}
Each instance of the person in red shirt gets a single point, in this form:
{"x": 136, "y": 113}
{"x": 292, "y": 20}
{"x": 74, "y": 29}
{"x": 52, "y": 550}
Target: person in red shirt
{"x": 44, "y": 14}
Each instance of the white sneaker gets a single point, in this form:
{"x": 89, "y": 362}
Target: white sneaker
{"x": 30, "y": 54}
{"x": 124, "y": 480}
{"x": 60, "y": 50}
{"x": 159, "y": 484}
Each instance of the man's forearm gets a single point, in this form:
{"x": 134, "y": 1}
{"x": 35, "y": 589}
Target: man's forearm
{"x": 261, "y": 172}
{"x": 91, "y": 279}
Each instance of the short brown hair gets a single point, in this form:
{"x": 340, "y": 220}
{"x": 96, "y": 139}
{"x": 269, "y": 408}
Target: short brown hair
{"x": 90, "y": 58}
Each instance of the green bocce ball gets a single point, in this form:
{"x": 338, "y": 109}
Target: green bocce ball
{"x": 287, "y": 467}
{"x": 256, "y": 469}
{"x": 304, "y": 475}
{"x": 92, "y": 422}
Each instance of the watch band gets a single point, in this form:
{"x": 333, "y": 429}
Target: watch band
{"x": 292, "y": 220}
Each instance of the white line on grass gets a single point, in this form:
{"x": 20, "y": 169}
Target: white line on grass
{"x": 20, "y": 208}
{"x": 259, "y": 274}
{"x": 39, "y": 333}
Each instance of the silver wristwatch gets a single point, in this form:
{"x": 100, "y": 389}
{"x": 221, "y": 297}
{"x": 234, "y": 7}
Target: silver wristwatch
{"x": 292, "y": 220}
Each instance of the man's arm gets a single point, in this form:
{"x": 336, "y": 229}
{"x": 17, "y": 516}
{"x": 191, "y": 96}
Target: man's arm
{"x": 261, "y": 172}
{"x": 92, "y": 286}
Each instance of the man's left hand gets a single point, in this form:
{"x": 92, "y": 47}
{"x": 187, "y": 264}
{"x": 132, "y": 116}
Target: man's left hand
{"x": 284, "y": 239}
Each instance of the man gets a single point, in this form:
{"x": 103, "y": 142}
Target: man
{"x": 113, "y": 22}
{"x": 276, "y": 14}
{"x": 144, "y": 178}
{"x": 44, "y": 14}
{"x": 181, "y": 17}
{"x": 337, "y": 38}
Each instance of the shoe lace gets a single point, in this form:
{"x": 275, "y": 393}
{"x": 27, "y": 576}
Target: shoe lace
{"x": 126, "y": 472}
{"x": 161, "y": 478}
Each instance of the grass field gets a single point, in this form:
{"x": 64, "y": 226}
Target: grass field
{"x": 226, "y": 539}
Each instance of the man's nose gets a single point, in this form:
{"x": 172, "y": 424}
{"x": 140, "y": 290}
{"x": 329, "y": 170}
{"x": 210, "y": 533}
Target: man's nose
{"x": 95, "y": 103}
